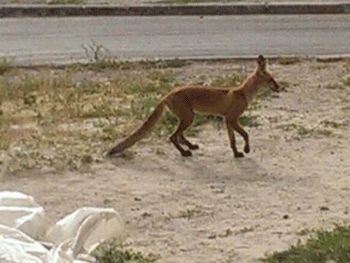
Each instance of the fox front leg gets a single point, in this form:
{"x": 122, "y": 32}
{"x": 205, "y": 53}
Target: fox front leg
{"x": 231, "y": 135}
{"x": 244, "y": 134}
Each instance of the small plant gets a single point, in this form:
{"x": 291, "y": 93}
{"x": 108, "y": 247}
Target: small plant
{"x": 5, "y": 65}
{"x": 172, "y": 63}
{"x": 305, "y": 132}
{"x": 335, "y": 124}
{"x": 319, "y": 66}
{"x": 116, "y": 254}
{"x": 323, "y": 247}
{"x": 334, "y": 86}
{"x": 192, "y": 1}
{"x": 65, "y": 2}
{"x": 249, "y": 120}
{"x": 227, "y": 80}
{"x": 289, "y": 60}
{"x": 347, "y": 82}
{"x": 100, "y": 57}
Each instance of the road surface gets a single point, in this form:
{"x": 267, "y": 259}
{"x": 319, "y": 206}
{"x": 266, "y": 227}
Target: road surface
{"x": 61, "y": 40}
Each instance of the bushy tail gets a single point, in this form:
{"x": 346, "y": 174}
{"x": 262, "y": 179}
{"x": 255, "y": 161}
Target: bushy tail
{"x": 141, "y": 132}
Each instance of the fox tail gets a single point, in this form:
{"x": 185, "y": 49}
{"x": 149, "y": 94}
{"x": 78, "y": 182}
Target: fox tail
{"x": 141, "y": 132}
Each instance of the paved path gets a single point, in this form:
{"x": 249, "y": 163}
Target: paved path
{"x": 58, "y": 40}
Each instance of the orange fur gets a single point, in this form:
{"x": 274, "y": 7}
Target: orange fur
{"x": 184, "y": 101}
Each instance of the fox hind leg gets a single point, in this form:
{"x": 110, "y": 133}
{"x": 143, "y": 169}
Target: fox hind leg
{"x": 185, "y": 115}
{"x": 178, "y": 134}
{"x": 188, "y": 143}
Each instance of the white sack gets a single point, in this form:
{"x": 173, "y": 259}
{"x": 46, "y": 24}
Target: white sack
{"x": 20, "y": 211}
{"x": 17, "y": 247}
{"x": 75, "y": 235}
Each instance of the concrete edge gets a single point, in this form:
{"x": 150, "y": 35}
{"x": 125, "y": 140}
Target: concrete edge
{"x": 238, "y": 59}
{"x": 174, "y": 10}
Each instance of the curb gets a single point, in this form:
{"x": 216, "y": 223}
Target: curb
{"x": 239, "y": 59}
{"x": 173, "y": 10}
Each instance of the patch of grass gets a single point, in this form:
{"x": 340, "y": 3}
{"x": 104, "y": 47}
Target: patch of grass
{"x": 5, "y": 65}
{"x": 249, "y": 120}
{"x": 335, "y": 124}
{"x": 65, "y": 118}
{"x": 319, "y": 66}
{"x": 194, "y": 1}
{"x": 264, "y": 93}
{"x": 322, "y": 247}
{"x": 284, "y": 85}
{"x": 6, "y": 137}
{"x": 305, "y": 132}
{"x": 65, "y": 2}
{"x": 142, "y": 109}
{"x": 163, "y": 80}
{"x": 116, "y": 254}
{"x": 231, "y": 80}
{"x": 100, "y": 57}
{"x": 347, "y": 82}
{"x": 170, "y": 63}
{"x": 334, "y": 86}
{"x": 288, "y": 60}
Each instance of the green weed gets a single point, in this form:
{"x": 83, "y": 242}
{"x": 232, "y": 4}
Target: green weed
{"x": 322, "y": 247}
{"x": 289, "y": 60}
{"x": 194, "y": 1}
{"x": 116, "y": 254}
{"x": 231, "y": 80}
{"x": 5, "y": 65}
{"x": 347, "y": 82}
{"x": 249, "y": 120}
{"x": 305, "y": 132}
{"x": 65, "y": 2}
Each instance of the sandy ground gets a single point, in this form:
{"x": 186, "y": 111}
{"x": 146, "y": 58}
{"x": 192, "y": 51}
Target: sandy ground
{"x": 214, "y": 208}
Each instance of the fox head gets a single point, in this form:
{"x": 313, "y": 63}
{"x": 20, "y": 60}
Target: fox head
{"x": 265, "y": 76}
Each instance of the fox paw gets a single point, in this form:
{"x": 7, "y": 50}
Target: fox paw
{"x": 193, "y": 147}
{"x": 186, "y": 153}
{"x": 239, "y": 155}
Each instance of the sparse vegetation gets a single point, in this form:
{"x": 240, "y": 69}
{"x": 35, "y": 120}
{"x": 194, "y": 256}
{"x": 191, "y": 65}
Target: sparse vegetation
{"x": 100, "y": 58}
{"x": 322, "y": 247}
{"x": 5, "y": 65}
{"x": 227, "y": 80}
{"x": 289, "y": 60}
{"x": 319, "y": 66}
{"x": 64, "y": 120}
{"x": 305, "y": 132}
{"x": 193, "y": 1}
{"x": 110, "y": 253}
{"x": 249, "y": 120}
{"x": 65, "y": 2}
{"x": 347, "y": 82}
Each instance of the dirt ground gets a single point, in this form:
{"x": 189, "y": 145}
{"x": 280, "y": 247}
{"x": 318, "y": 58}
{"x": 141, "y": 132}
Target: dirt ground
{"x": 211, "y": 207}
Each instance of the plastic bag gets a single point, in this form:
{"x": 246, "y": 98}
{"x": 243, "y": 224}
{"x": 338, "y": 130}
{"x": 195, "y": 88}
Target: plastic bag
{"x": 15, "y": 246}
{"x": 82, "y": 231}
{"x": 75, "y": 236}
{"x": 21, "y": 212}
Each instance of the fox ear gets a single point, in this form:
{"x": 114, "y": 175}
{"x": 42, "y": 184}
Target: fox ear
{"x": 261, "y": 62}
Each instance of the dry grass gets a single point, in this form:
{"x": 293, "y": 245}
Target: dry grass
{"x": 66, "y": 118}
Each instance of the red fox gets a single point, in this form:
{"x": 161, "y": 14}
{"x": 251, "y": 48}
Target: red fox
{"x": 227, "y": 102}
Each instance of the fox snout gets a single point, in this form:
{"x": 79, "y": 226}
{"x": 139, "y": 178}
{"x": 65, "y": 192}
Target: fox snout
{"x": 274, "y": 86}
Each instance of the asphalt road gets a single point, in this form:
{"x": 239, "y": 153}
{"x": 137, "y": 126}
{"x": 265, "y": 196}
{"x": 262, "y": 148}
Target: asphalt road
{"x": 59, "y": 40}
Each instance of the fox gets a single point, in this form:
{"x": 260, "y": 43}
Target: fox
{"x": 229, "y": 103}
